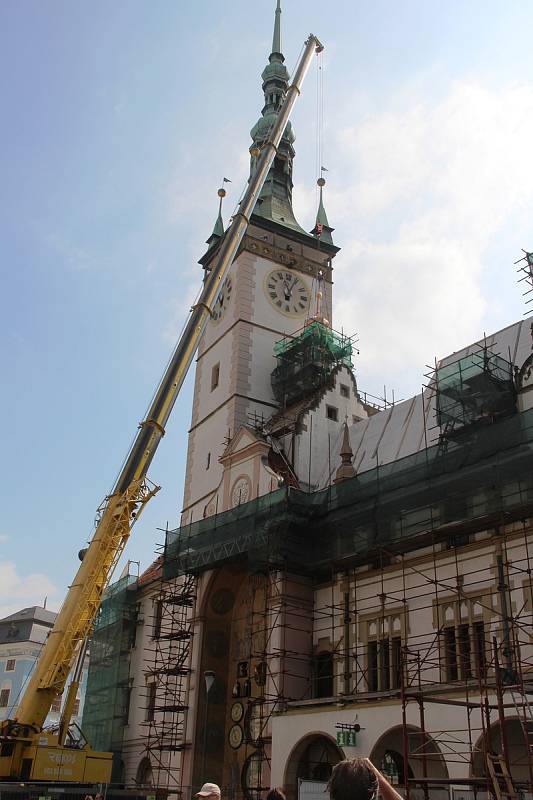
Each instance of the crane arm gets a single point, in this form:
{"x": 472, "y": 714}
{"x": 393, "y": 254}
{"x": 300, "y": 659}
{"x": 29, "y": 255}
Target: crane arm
{"x": 132, "y": 489}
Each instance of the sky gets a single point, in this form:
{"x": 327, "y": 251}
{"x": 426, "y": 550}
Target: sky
{"x": 119, "y": 121}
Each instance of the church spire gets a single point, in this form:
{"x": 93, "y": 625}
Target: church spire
{"x": 276, "y": 39}
{"x": 275, "y": 200}
{"x": 322, "y": 229}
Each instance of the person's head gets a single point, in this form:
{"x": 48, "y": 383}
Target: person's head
{"x": 276, "y": 794}
{"x": 210, "y": 790}
{"x": 353, "y": 779}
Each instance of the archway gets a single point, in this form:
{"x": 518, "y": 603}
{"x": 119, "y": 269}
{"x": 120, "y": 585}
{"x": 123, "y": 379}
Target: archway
{"x": 144, "y": 773}
{"x": 516, "y": 748}
{"x": 425, "y": 759}
{"x": 311, "y": 759}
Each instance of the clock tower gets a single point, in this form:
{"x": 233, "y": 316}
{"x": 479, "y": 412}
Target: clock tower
{"x": 268, "y": 294}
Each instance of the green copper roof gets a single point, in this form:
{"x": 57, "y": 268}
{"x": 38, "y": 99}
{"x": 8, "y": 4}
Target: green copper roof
{"x": 275, "y": 200}
{"x": 321, "y": 213}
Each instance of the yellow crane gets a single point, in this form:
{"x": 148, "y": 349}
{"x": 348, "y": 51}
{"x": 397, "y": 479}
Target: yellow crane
{"x": 26, "y": 751}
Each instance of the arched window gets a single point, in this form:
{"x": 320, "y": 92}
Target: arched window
{"x": 144, "y": 773}
{"x": 323, "y": 675}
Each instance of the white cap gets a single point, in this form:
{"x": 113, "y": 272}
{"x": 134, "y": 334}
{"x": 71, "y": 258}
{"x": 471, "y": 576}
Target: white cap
{"x": 208, "y": 789}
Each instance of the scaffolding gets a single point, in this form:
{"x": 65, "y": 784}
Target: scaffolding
{"x": 167, "y": 680}
{"x": 305, "y": 361}
{"x": 402, "y": 539}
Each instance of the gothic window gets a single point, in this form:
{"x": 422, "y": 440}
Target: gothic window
{"x": 463, "y": 640}
{"x": 384, "y": 648}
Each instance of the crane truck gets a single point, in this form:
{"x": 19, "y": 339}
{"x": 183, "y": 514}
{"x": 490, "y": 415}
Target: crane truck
{"x": 27, "y": 751}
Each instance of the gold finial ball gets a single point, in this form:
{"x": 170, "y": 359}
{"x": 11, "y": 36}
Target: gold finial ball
{"x": 321, "y": 182}
{"x": 221, "y": 192}
{"x": 254, "y": 151}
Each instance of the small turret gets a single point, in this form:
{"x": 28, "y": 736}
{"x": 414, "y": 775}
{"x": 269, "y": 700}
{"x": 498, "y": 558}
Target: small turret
{"x": 346, "y": 469}
{"x": 218, "y": 230}
{"x": 322, "y": 229}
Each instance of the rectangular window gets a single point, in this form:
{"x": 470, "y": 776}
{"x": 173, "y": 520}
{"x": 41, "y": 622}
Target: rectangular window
{"x": 384, "y": 665}
{"x": 55, "y": 708}
{"x": 150, "y": 705}
{"x": 372, "y": 666}
{"x": 396, "y": 666}
{"x": 4, "y": 697}
{"x": 158, "y": 616}
{"x": 450, "y": 654}
{"x": 479, "y": 649}
{"x": 345, "y": 390}
{"x": 215, "y": 376}
{"x": 463, "y": 638}
{"x": 331, "y": 413}
{"x": 10, "y": 665}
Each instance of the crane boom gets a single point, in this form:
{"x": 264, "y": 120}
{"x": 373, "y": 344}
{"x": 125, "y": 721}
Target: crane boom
{"x": 132, "y": 489}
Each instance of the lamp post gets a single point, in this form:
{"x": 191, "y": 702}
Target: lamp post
{"x": 209, "y": 677}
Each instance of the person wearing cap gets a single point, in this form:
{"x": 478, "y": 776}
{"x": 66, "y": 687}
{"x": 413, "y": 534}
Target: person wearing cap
{"x": 209, "y": 790}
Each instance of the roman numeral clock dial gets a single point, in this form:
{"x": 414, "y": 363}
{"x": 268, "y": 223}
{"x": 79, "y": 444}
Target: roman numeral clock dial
{"x": 287, "y": 292}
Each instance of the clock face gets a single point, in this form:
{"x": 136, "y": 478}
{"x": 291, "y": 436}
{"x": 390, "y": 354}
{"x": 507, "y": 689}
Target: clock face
{"x": 287, "y": 292}
{"x": 237, "y": 711}
{"x": 222, "y": 601}
{"x": 241, "y": 491}
{"x": 235, "y": 736}
{"x": 222, "y": 301}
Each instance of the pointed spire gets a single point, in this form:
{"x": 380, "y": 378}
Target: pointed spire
{"x": 346, "y": 469}
{"x": 322, "y": 229}
{"x": 218, "y": 230}
{"x": 276, "y": 39}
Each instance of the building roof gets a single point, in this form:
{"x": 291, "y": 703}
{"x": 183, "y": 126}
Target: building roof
{"x": 408, "y": 427}
{"x": 34, "y": 614}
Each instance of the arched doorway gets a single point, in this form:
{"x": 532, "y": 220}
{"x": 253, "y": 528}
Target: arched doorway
{"x": 312, "y": 759}
{"x": 424, "y": 760}
{"x": 516, "y": 748}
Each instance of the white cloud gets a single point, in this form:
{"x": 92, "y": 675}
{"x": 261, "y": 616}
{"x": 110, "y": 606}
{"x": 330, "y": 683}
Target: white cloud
{"x": 3, "y": 538}
{"x": 20, "y": 591}
{"x": 424, "y": 191}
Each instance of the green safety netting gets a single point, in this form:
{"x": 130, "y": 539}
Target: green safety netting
{"x": 476, "y": 388}
{"x": 305, "y": 362}
{"x": 487, "y": 474}
{"x": 108, "y": 684}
